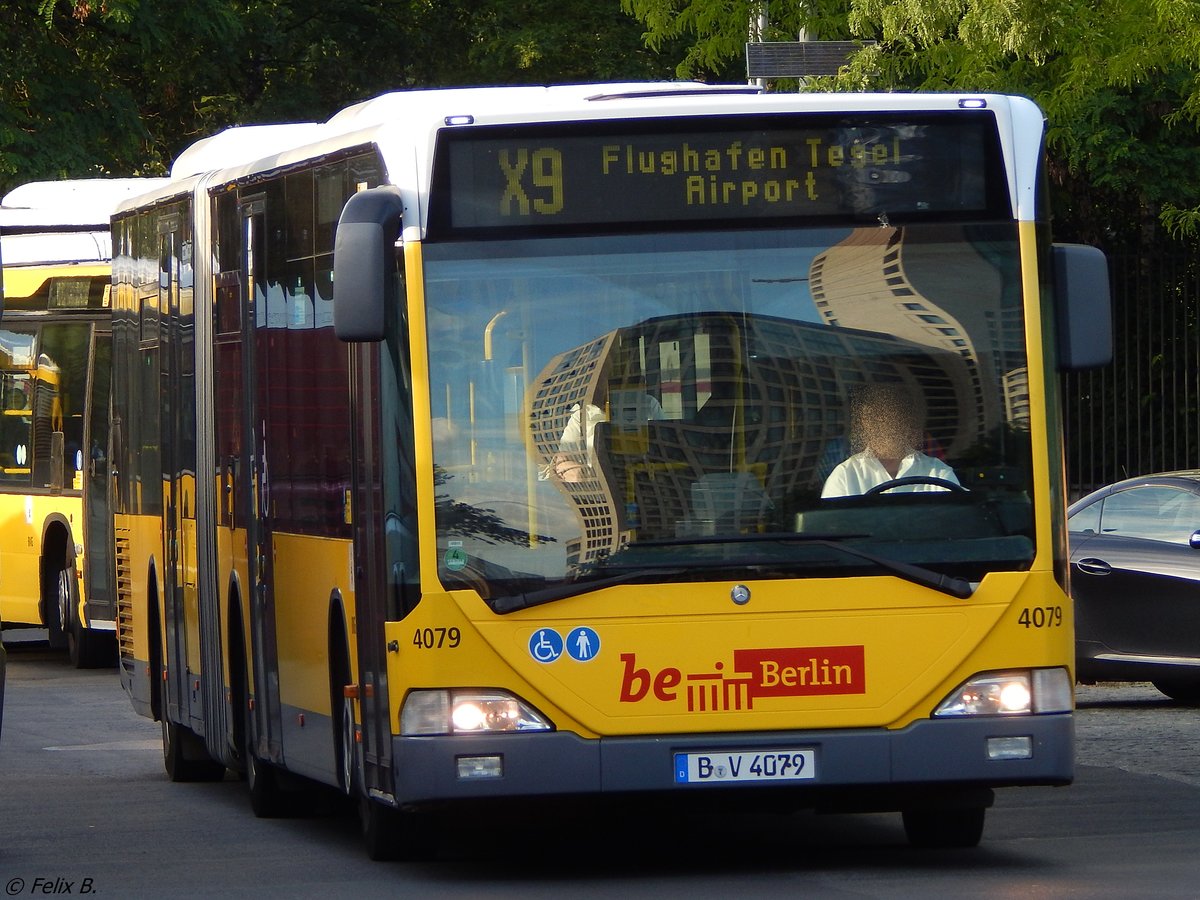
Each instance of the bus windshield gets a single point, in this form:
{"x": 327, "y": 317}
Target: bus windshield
{"x": 43, "y": 378}
{"x": 746, "y": 403}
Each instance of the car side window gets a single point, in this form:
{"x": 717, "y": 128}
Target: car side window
{"x": 1151, "y": 513}
{"x": 1087, "y": 520}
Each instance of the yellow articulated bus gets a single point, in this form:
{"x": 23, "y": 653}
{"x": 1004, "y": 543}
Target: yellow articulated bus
{"x": 646, "y": 440}
{"x": 54, "y": 378}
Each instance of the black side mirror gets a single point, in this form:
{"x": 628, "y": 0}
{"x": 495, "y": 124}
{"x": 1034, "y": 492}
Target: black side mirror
{"x": 1084, "y": 305}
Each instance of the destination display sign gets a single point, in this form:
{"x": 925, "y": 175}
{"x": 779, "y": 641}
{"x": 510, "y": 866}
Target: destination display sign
{"x": 717, "y": 170}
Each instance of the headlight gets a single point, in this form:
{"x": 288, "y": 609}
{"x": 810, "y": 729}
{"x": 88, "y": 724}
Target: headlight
{"x": 1020, "y": 693}
{"x": 468, "y": 712}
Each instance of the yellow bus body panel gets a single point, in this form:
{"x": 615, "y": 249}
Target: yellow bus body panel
{"x": 823, "y": 653}
{"x": 23, "y": 519}
{"x": 23, "y": 514}
{"x": 25, "y": 281}
{"x": 307, "y": 571}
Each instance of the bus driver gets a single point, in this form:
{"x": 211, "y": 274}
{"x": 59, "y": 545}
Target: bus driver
{"x": 886, "y": 428}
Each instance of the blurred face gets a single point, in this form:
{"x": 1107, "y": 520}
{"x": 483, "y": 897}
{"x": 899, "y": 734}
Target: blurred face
{"x": 888, "y": 429}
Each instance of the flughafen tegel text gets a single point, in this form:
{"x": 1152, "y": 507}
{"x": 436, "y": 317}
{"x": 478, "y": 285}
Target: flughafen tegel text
{"x": 707, "y": 170}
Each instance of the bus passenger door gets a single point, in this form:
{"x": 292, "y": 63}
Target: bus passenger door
{"x": 99, "y": 581}
{"x": 257, "y": 485}
{"x": 171, "y": 373}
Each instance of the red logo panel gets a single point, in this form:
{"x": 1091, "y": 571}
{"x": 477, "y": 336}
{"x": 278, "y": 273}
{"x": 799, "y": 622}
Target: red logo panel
{"x": 803, "y": 671}
{"x": 773, "y": 672}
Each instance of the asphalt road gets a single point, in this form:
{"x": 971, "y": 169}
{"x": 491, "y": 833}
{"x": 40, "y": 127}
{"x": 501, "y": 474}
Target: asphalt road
{"x": 86, "y": 810}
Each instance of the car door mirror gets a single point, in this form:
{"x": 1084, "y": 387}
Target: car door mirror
{"x": 1194, "y": 540}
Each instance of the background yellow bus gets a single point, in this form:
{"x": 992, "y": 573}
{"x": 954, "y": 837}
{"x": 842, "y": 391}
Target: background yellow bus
{"x": 54, "y": 378}
{"x": 518, "y": 443}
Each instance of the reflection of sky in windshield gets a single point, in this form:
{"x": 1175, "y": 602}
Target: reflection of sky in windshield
{"x": 681, "y": 333}
{"x": 577, "y": 297}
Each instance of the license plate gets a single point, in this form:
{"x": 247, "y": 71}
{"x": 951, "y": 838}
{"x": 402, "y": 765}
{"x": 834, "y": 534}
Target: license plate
{"x": 727, "y": 766}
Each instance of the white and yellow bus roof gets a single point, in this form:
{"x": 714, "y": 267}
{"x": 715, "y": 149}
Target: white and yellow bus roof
{"x": 404, "y": 125}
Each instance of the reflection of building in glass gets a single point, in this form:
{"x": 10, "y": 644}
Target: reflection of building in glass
{"x": 572, "y": 381}
{"x": 1016, "y": 397}
{"x": 752, "y": 413}
{"x": 933, "y": 291}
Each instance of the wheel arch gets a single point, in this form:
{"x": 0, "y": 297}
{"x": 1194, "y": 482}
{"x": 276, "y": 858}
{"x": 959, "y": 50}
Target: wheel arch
{"x": 57, "y": 551}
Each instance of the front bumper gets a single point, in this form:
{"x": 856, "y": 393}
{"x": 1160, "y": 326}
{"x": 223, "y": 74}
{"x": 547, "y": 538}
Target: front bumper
{"x": 927, "y": 754}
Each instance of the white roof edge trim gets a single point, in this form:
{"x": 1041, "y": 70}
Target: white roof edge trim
{"x": 69, "y": 203}
{"x": 77, "y": 247}
{"x": 441, "y": 102}
{"x": 242, "y": 144}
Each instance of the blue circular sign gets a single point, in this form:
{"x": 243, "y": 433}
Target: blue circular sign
{"x": 545, "y": 645}
{"x": 583, "y": 644}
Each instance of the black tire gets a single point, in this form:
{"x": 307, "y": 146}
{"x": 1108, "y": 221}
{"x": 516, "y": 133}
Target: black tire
{"x": 184, "y": 756}
{"x": 390, "y": 834}
{"x": 942, "y": 828}
{"x": 381, "y": 830}
{"x": 87, "y": 649}
{"x": 90, "y": 649}
{"x": 1181, "y": 690}
{"x": 57, "y": 593}
{"x": 267, "y": 798}
{"x": 344, "y": 727}
{"x": 348, "y": 759}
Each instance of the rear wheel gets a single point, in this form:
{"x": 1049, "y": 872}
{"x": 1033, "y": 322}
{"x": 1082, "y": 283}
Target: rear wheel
{"x": 86, "y": 648}
{"x": 944, "y": 827}
{"x": 184, "y": 755}
{"x": 266, "y": 797}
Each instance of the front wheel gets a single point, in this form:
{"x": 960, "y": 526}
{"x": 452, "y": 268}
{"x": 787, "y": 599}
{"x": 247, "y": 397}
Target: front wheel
{"x": 58, "y": 593}
{"x": 1181, "y": 690}
{"x": 348, "y": 750}
{"x": 942, "y": 828}
{"x": 392, "y": 834}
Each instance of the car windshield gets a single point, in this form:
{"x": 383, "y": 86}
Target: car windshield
{"x": 728, "y": 404}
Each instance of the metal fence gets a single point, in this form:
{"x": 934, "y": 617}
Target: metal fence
{"x": 1140, "y": 414}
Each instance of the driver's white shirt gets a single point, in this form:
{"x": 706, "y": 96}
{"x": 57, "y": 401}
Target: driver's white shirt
{"x": 863, "y": 471}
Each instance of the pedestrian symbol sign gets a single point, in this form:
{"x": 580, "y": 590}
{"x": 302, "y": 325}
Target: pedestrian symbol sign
{"x": 583, "y": 644}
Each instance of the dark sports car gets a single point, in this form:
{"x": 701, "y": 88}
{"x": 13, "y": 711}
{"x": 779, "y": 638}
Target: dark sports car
{"x": 1135, "y": 579}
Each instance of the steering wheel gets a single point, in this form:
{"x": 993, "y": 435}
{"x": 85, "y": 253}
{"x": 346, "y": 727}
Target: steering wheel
{"x": 915, "y": 479}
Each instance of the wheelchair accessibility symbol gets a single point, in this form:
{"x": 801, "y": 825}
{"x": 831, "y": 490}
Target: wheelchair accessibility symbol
{"x": 546, "y": 645}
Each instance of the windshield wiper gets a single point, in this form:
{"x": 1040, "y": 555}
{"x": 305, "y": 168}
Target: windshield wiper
{"x": 513, "y": 602}
{"x": 947, "y": 584}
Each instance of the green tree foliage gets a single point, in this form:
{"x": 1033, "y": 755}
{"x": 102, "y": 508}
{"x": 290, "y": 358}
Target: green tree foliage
{"x": 1118, "y": 79}
{"x": 60, "y": 113}
{"x": 713, "y": 33}
{"x": 120, "y": 87}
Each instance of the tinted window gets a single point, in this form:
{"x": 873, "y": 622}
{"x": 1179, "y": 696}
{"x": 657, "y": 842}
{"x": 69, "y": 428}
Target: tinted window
{"x": 1086, "y": 520}
{"x": 1152, "y": 513}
